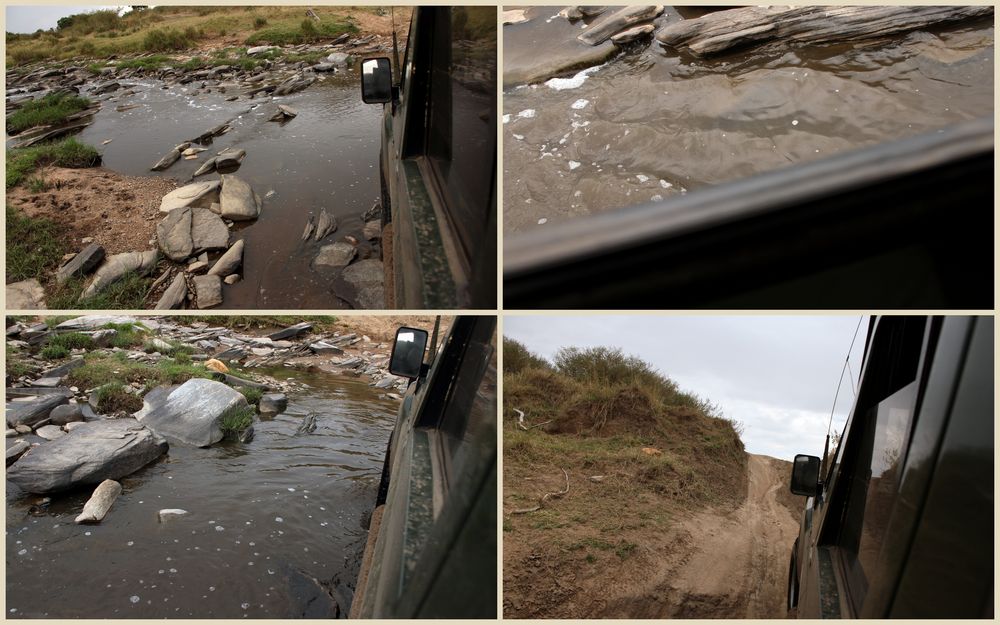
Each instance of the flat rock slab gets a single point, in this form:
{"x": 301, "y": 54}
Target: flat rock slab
{"x": 16, "y": 450}
{"x": 91, "y": 322}
{"x": 83, "y": 263}
{"x": 26, "y": 295}
{"x": 50, "y": 432}
{"x": 117, "y": 266}
{"x": 229, "y": 262}
{"x": 208, "y": 289}
{"x": 335, "y": 255}
{"x": 291, "y": 331}
{"x": 537, "y": 50}
{"x": 237, "y": 201}
{"x": 91, "y": 453}
{"x": 31, "y": 412}
{"x": 608, "y": 25}
{"x": 175, "y": 294}
{"x": 367, "y": 277}
{"x": 191, "y": 412}
{"x": 191, "y": 230}
{"x": 194, "y": 194}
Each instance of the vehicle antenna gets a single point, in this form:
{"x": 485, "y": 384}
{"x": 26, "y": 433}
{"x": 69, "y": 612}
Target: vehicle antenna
{"x": 847, "y": 366}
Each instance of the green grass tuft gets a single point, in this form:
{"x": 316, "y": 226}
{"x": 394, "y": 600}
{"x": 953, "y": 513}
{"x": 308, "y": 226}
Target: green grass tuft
{"x": 33, "y": 246}
{"x": 128, "y": 293}
{"x": 112, "y": 397}
{"x": 65, "y": 153}
{"x": 54, "y": 352}
{"x": 253, "y": 395}
{"x": 307, "y": 31}
{"x": 50, "y": 110}
{"x": 72, "y": 340}
{"x": 236, "y": 419}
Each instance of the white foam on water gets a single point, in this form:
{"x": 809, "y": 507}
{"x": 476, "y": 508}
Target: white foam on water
{"x": 573, "y": 82}
{"x": 573, "y": 165}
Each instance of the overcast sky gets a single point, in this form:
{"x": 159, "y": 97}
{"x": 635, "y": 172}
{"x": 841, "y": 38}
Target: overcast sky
{"x": 776, "y": 374}
{"x": 28, "y": 19}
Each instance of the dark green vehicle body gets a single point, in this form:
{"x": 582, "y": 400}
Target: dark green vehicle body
{"x": 432, "y": 549}
{"x": 901, "y": 523}
{"x": 438, "y": 161}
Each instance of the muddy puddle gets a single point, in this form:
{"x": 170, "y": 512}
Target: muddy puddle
{"x": 275, "y": 527}
{"x": 649, "y": 124}
{"x": 326, "y": 157}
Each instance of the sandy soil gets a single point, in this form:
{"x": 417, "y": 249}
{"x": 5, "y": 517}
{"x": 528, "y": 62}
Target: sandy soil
{"x": 119, "y": 212}
{"x": 708, "y": 564}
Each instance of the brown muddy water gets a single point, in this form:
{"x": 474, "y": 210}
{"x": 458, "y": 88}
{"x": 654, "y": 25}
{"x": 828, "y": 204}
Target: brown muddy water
{"x": 326, "y": 157}
{"x": 650, "y": 124}
{"x": 265, "y": 520}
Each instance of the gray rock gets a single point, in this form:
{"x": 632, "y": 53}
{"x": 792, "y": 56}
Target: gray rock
{"x": 11, "y": 432}
{"x": 233, "y": 353}
{"x": 229, "y": 262}
{"x": 632, "y": 34}
{"x": 175, "y": 294}
{"x": 232, "y": 278}
{"x": 325, "y": 224}
{"x": 25, "y": 295}
{"x": 273, "y": 403}
{"x": 16, "y": 450}
{"x": 230, "y": 159}
{"x": 207, "y": 166}
{"x": 372, "y": 230}
{"x": 173, "y": 234}
{"x": 324, "y": 67}
{"x": 386, "y": 382}
{"x": 603, "y": 28}
{"x": 191, "y": 413}
{"x": 22, "y": 429}
{"x": 254, "y": 51}
{"x": 339, "y": 254}
{"x": 91, "y": 453}
{"x": 283, "y": 113}
{"x": 291, "y": 331}
{"x": 31, "y": 412}
{"x": 117, "y": 266}
{"x": 100, "y": 502}
{"x": 91, "y": 322}
{"x": 208, "y": 289}
{"x": 340, "y": 59}
{"x": 67, "y": 413}
{"x": 367, "y": 277}
{"x": 83, "y": 263}
{"x": 107, "y": 87}
{"x": 50, "y": 432}
{"x": 63, "y": 370}
{"x": 194, "y": 194}
{"x": 46, "y": 382}
{"x": 197, "y": 267}
{"x": 321, "y": 347}
{"x": 238, "y": 201}
{"x": 167, "y": 160}
{"x": 208, "y": 231}
{"x": 160, "y": 345}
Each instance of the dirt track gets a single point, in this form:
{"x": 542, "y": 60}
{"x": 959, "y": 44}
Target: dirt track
{"x": 739, "y": 564}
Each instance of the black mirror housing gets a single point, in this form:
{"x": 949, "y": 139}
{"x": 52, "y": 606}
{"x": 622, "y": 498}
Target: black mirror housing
{"x": 407, "y": 357}
{"x": 376, "y": 81}
{"x": 805, "y": 475}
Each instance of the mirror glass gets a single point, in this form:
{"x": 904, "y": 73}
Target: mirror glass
{"x": 805, "y": 475}
{"x": 408, "y": 353}
{"x": 376, "y": 80}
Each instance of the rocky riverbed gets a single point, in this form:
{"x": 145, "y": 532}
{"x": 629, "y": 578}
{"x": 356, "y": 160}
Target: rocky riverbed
{"x": 155, "y": 512}
{"x": 281, "y": 156}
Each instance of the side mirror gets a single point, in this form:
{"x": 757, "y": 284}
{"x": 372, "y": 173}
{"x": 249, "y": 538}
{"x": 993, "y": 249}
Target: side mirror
{"x": 805, "y": 475}
{"x": 376, "y": 81}
{"x": 407, "y": 357}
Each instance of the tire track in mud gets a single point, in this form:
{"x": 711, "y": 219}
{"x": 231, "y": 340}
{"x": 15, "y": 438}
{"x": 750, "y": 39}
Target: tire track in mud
{"x": 737, "y": 569}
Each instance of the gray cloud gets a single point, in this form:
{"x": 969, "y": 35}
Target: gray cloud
{"x": 775, "y": 374}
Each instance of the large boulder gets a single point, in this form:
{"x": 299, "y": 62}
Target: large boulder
{"x": 190, "y": 413}
{"x": 191, "y": 230}
{"x": 237, "y": 200}
{"x": 31, "y": 412}
{"x": 117, "y": 267}
{"x": 91, "y": 453}
{"x": 90, "y": 322}
{"x": 367, "y": 277}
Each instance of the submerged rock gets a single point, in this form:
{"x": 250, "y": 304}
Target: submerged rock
{"x": 367, "y": 277}
{"x": 100, "y": 502}
{"x": 273, "y": 403}
{"x": 207, "y": 167}
{"x": 325, "y": 224}
{"x": 337, "y": 254}
{"x": 190, "y": 413}
{"x": 229, "y": 160}
{"x": 170, "y": 513}
{"x": 91, "y": 453}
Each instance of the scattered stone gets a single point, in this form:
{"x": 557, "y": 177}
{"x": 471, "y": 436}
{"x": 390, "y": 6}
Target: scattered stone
{"x": 237, "y": 200}
{"x": 516, "y": 16}
{"x": 229, "y": 262}
{"x": 83, "y": 263}
{"x": 94, "y": 452}
{"x": 229, "y": 159}
{"x": 25, "y": 295}
{"x": 11, "y": 432}
{"x": 372, "y": 230}
{"x": 197, "y": 267}
{"x": 160, "y": 345}
{"x": 170, "y": 513}
{"x": 310, "y": 227}
{"x": 338, "y": 254}
{"x": 29, "y": 413}
{"x": 100, "y": 502}
{"x": 254, "y": 51}
{"x": 367, "y": 277}
{"x": 284, "y": 113}
{"x": 175, "y": 294}
{"x": 107, "y": 87}
{"x": 232, "y": 278}
{"x": 291, "y": 331}
{"x": 207, "y": 166}
{"x": 66, "y": 413}
{"x": 117, "y": 266}
{"x": 193, "y": 151}
{"x": 46, "y": 382}
{"x": 196, "y": 193}
{"x": 340, "y": 59}
{"x": 321, "y": 347}
{"x": 209, "y": 290}
{"x": 231, "y": 354}
{"x": 16, "y": 450}
{"x": 325, "y": 224}
{"x": 22, "y": 429}
{"x": 170, "y": 157}
{"x": 273, "y": 403}
{"x": 190, "y": 413}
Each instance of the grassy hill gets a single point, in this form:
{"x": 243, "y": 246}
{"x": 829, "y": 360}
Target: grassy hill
{"x": 622, "y": 453}
{"x": 102, "y": 34}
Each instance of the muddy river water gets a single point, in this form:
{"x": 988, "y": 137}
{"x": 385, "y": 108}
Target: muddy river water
{"x": 270, "y": 523}
{"x": 326, "y": 157}
{"x": 650, "y": 124}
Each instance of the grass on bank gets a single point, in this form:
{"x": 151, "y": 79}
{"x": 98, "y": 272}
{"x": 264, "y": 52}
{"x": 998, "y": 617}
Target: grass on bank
{"x": 51, "y": 109}
{"x": 69, "y": 152}
{"x": 128, "y": 293}
{"x": 236, "y": 419}
{"x": 33, "y": 246}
